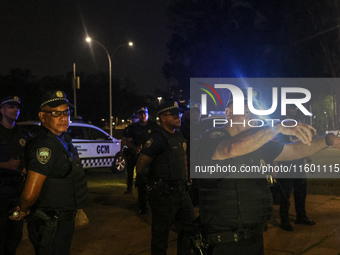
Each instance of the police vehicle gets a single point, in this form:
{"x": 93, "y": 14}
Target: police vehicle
{"x": 96, "y": 148}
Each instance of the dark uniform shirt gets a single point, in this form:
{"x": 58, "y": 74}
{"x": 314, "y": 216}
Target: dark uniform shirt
{"x": 12, "y": 143}
{"x": 47, "y": 157}
{"x": 155, "y": 145}
{"x": 55, "y": 157}
{"x": 246, "y": 202}
{"x": 168, "y": 151}
{"x": 140, "y": 133}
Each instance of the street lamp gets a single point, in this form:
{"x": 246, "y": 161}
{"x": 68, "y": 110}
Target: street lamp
{"x": 89, "y": 40}
{"x": 159, "y": 100}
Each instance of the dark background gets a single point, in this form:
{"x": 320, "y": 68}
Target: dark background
{"x": 173, "y": 41}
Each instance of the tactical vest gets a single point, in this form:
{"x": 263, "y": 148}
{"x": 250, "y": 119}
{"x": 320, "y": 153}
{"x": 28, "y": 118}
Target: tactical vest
{"x": 170, "y": 165}
{"x": 68, "y": 192}
{"x": 231, "y": 204}
{"x": 141, "y": 133}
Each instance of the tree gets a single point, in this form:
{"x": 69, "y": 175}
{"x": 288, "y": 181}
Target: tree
{"x": 217, "y": 38}
{"x": 248, "y": 38}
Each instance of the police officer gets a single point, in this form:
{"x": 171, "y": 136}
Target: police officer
{"x": 192, "y": 128}
{"x": 163, "y": 162}
{"x": 56, "y": 183}
{"x": 299, "y": 183}
{"x": 12, "y": 172}
{"x": 135, "y": 138}
{"x": 233, "y": 212}
{"x": 129, "y": 155}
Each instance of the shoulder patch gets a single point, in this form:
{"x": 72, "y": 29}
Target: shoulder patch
{"x": 43, "y": 155}
{"x": 216, "y": 134}
{"x": 148, "y": 143}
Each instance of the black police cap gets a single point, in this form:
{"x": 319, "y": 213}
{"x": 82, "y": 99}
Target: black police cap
{"x": 169, "y": 106}
{"x": 143, "y": 109}
{"x": 11, "y": 100}
{"x": 54, "y": 99}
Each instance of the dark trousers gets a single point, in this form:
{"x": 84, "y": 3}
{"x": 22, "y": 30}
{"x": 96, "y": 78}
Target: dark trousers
{"x": 130, "y": 167}
{"x": 142, "y": 192}
{"x": 251, "y": 246}
{"x": 167, "y": 209}
{"x": 60, "y": 241}
{"x": 10, "y": 230}
{"x": 300, "y": 192}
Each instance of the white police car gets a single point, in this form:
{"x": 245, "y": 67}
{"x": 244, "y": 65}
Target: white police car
{"x": 96, "y": 148}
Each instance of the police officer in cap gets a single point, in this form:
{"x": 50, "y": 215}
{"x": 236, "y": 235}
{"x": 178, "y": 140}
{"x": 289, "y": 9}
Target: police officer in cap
{"x": 12, "y": 172}
{"x": 233, "y": 212}
{"x": 135, "y": 138}
{"x": 56, "y": 184}
{"x": 163, "y": 162}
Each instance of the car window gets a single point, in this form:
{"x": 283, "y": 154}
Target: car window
{"x": 95, "y": 134}
{"x": 76, "y": 132}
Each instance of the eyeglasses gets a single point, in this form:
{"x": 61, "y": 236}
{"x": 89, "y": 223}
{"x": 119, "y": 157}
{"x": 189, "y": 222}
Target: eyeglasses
{"x": 174, "y": 114}
{"x": 60, "y": 113}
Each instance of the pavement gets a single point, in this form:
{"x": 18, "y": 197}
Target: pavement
{"x": 115, "y": 228}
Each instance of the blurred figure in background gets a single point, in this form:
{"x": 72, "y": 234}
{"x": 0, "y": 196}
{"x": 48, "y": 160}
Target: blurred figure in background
{"x": 12, "y": 172}
{"x": 287, "y": 184}
{"x": 130, "y": 156}
{"x": 135, "y": 138}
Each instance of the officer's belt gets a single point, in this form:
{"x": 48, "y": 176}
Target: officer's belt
{"x": 175, "y": 183}
{"x": 177, "y": 186}
{"x": 63, "y": 215}
{"x": 233, "y": 236}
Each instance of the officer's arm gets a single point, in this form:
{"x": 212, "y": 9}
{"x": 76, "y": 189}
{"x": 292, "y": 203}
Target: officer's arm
{"x": 11, "y": 164}
{"x": 299, "y": 150}
{"x": 253, "y": 138}
{"x": 143, "y": 164}
{"x": 122, "y": 143}
{"x": 129, "y": 143}
{"x": 30, "y": 193}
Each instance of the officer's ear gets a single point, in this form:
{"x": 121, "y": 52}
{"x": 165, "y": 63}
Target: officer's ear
{"x": 161, "y": 117}
{"x": 42, "y": 116}
{"x": 228, "y": 112}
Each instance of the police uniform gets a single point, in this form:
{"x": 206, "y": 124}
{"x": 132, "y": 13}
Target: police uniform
{"x": 168, "y": 198}
{"x": 139, "y": 135}
{"x": 192, "y": 131}
{"x": 51, "y": 223}
{"x": 63, "y": 192}
{"x": 131, "y": 159}
{"x": 12, "y": 143}
{"x": 299, "y": 183}
{"x": 233, "y": 212}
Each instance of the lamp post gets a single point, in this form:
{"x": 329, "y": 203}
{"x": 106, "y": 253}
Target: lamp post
{"x": 89, "y": 40}
{"x": 159, "y": 100}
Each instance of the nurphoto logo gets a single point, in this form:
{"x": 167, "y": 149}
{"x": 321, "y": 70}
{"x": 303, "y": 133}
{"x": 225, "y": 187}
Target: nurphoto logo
{"x": 239, "y": 98}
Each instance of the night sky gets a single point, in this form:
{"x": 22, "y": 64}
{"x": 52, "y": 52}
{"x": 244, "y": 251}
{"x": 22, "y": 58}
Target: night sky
{"x": 47, "y": 37}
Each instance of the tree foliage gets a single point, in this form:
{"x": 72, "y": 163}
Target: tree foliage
{"x": 248, "y": 38}
{"x": 92, "y": 98}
